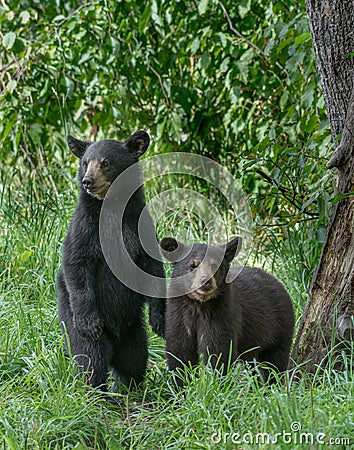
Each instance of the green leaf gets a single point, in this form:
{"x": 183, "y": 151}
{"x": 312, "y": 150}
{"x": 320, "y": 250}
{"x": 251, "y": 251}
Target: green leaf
{"x": 85, "y": 57}
{"x": 205, "y": 61}
{"x": 19, "y": 45}
{"x": 9, "y": 126}
{"x": 244, "y": 7}
{"x": 283, "y": 99}
{"x": 25, "y": 17}
{"x": 176, "y": 123}
{"x": 203, "y": 4}
{"x": 311, "y": 124}
{"x": 9, "y": 40}
{"x": 195, "y": 45}
{"x": 243, "y": 69}
{"x": 161, "y": 127}
{"x": 58, "y": 18}
{"x": 309, "y": 201}
{"x": 234, "y": 95}
{"x": 321, "y": 234}
{"x": 44, "y": 89}
{"x": 155, "y": 15}
{"x": 34, "y": 134}
{"x": 11, "y": 86}
{"x": 337, "y": 198}
{"x": 300, "y": 39}
{"x": 223, "y": 39}
{"x": 184, "y": 98}
{"x": 144, "y": 20}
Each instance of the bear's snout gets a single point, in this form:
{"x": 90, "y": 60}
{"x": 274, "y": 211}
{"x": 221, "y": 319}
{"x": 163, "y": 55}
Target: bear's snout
{"x": 87, "y": 182}
{"x": 206, "y": 282}
{"x": 204, "y": 286}
{"x": 94, "y": 180}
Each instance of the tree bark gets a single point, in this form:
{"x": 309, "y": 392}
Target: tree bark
{"x": 330, "y": 307}
{"x": 332, "y": 27}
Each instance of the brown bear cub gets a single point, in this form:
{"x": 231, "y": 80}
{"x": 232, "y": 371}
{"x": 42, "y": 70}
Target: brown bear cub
{"x": 251, "y": 318}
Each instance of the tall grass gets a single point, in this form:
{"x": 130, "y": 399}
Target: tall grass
{"x": 44, "y": 403}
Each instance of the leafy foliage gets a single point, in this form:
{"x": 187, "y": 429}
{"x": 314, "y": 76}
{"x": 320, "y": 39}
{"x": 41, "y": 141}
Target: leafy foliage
{"x": 236, "y": 83}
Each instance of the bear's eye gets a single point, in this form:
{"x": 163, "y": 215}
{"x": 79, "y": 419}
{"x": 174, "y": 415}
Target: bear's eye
{"x": 194, "y": 264}
{"x": 105, "y": 163}
{"x": 84, "y": 164}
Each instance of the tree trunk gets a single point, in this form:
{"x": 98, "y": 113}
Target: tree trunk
{"x": 330, "y": 308}
{"x": 331, "y": 24}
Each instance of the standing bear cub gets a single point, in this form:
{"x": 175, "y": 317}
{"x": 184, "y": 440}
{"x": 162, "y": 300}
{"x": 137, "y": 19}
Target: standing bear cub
{"x": 101, "y": 316}
{"x": 252, "y": 316}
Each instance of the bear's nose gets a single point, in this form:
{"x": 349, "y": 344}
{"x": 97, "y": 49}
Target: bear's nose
{"x": 206, "y": 281}
{"x": 87, "y": 182}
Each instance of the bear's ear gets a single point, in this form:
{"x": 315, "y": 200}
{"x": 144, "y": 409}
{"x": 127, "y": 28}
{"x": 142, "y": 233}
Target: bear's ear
{"x": 232, "y": 248}
{"x": 169, "y": 246}
{"x": 138, "y": 143}
{"x": 76, "y": 146}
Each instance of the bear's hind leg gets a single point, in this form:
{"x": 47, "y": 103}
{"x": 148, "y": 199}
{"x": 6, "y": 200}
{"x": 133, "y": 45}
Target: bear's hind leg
{"x": 130, "y": 358}
{"x": 93, "y": 358}
{"x": 277, "y": 358}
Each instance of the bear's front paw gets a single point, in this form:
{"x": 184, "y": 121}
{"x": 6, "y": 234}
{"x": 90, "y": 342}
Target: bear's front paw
{"x": 90, "y": 327}
{"x": 157, "y": 322}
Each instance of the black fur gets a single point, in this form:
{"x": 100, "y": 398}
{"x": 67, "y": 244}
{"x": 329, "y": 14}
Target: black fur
{"x": 253, "y": 315}
{"x": 101, "y": 316}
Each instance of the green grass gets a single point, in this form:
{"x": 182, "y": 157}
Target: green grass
{"x": 44, "y": 404}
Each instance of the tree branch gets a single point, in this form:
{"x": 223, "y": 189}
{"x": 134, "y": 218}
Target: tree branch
{"x": 160, "y": 81}
{"x": 285, "y": 191}
{"x": 248, "y": 42}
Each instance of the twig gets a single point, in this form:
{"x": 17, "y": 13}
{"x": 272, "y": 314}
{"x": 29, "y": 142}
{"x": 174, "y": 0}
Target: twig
{"x": 241, "y": 36}
{"x": 274, "y": 225}
{"x": 123, "y": 41}
{"x": 158, "y": 77}
{"x": 75, "y": 79}
{"x": 85, "y": 5}
{"x": 284, "y": 191}
{"x": 295, "y": 194}
{"x": 6, "y": 66}
{"x": 160, "y": 81}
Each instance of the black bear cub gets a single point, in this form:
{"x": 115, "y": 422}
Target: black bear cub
{"x": 102, "y": 317}
{"x": 252, "y": 316}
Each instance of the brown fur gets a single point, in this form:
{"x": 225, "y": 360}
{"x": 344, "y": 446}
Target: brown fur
{"x": 250, "y": 318}
{"x": 95, "y": 175}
